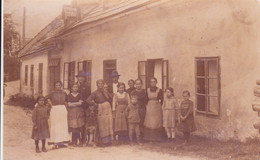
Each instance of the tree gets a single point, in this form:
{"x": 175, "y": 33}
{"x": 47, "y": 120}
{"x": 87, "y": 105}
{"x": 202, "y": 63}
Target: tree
{"x": 11, "y": 46}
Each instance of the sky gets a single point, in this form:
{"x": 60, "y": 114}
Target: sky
{"x": 39, "y": 13}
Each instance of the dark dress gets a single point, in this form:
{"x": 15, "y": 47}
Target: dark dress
{"x": 187, "y": 125}
{"x": 85, "y": 91}
{"x": 76, "y": 115}
{"x": 40, "y": 117}
{"x": 130, "y": 90}
{"x": 105, "y": 119}
{"x": 142, "y": 100}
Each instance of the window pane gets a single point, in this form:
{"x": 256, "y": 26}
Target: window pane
{"x": 213, "y": 105}
{"x": 213, "y": 87}
{"x": 201, "y": 86}
{"x": 213, "y": 68}
{"x": 142, "y": 68}
{"x": 201, "y": 102}
{"x": 200, "y": 68}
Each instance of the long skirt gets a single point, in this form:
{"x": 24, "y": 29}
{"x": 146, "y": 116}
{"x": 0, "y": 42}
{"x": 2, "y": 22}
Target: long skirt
{"x": 120, "y": 120}
{"x": 58, "y": 124}
{"x": 153, "y": 121}
{"x": 105, "y": 122}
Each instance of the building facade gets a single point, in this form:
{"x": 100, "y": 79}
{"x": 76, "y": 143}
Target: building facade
{"x": 207, "y": 47}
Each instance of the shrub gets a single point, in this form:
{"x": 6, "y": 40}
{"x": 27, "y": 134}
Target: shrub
{"x": 22, "y": 100}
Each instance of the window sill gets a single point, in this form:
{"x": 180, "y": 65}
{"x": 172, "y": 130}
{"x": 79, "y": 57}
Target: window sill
{"x": 209, "y": 115}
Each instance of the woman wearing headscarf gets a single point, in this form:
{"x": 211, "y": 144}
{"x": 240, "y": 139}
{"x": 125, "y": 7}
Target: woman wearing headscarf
{"x": 105, "y": 120}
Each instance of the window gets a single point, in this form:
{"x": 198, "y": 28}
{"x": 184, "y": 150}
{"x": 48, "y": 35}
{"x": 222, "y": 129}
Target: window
{"x": 69, "y": 74}
{"x": 31, "y": 76}
{"x": 26, "y": 75}
{"x": 54, "y": 73}
{"x": 157, "y": 68}
{"x": 108, "y": 67}
{"x": 208, "y": 85}
{"x": 85, "y": 66}
{"x": 40, "y": 79}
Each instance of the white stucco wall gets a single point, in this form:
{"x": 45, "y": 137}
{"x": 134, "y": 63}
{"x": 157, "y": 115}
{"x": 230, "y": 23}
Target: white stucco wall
{"x": 34, "y": 60}
{"x": 179, "y": 33}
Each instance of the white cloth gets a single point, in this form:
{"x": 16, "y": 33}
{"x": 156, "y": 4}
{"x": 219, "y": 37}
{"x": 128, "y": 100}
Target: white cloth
{"x": 58, "y": 124}
{"x": 115, "y": 87}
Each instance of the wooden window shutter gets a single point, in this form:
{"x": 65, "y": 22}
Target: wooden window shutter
{"x": 142, "y": 72}
{"x": 88, "y": 71}
{"x": 40, "y": 80}
{"x": 165, "y": 74}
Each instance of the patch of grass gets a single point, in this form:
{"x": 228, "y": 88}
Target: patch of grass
{"x": 200, "y": 147}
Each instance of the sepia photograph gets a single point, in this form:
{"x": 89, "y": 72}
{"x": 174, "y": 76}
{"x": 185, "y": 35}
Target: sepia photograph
{"x": 130, "y": 80}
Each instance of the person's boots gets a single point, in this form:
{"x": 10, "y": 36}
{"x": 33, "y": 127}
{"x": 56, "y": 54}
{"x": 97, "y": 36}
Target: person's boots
{"x": 138, "y": 141}
{"x": 43, "y": 146}
{"x": 37, "y": 149}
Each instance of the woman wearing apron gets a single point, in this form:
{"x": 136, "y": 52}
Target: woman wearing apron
{"x": 153, "y": 117}
{"x": 105, "y": 120}
{"x": 58, "y": 116}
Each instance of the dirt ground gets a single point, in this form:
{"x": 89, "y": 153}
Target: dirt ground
{"x": 17, "y": 144}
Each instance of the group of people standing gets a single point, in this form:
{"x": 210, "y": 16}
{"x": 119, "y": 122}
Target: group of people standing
{"x": 110, "y": 113}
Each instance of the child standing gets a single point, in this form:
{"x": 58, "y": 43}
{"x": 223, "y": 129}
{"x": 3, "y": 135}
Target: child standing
{"x": 120, "y": 102}
{"x": 133, "y": 119}
{"x": 76, "y": 116}
{"x": 142, "y": 100}
{"x": 169, "y": 107}
{"x": 187, "y": 124}
{"x": 40, "y": 117}
{"x": 91, "y": 124}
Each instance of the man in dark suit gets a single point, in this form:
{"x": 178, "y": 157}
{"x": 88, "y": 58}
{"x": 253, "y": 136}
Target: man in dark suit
{"x": 114, "y": 81}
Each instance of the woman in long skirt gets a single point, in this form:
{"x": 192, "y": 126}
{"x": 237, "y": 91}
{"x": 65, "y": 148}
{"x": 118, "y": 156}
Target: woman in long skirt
{"x": 153, "y": 118}
{"x": 105, "y": 119}
{"x": 58, "y": 117}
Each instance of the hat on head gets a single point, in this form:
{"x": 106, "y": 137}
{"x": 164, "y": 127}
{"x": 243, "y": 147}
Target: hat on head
{"x": 114, "y": 74}
{"x": 81, "y": 74}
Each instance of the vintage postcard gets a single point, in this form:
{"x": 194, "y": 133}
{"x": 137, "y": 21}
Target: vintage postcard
{"x": 131, "y": 79}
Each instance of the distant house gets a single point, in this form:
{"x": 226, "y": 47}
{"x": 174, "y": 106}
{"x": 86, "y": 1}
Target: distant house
{"x": 208, "y": 47}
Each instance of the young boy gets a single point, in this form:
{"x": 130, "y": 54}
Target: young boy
{"x": 91, "y": 124}
{"x": 187, "y": 124}
{"x": 133, "y": 117}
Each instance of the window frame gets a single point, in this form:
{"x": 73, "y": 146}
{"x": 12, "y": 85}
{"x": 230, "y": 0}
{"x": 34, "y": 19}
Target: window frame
{"x": 207, "y": 78}
{"x": 146, "y": 72}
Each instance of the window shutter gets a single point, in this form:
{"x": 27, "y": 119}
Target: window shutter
{"x": 165, "y": 74}
{"x": 88, "y": 71}
{"x": 40, "y": 79}
{"x": 66, "y": 76}
{"x": 142, "y": 72}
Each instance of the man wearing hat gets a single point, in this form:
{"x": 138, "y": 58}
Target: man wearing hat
{"x": 85, "y": 92}
{"x": 115, "y": 78}
{"x": 84, "y": 89}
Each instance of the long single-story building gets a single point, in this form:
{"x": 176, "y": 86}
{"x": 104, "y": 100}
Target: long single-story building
{"x": 208, "y": 47}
